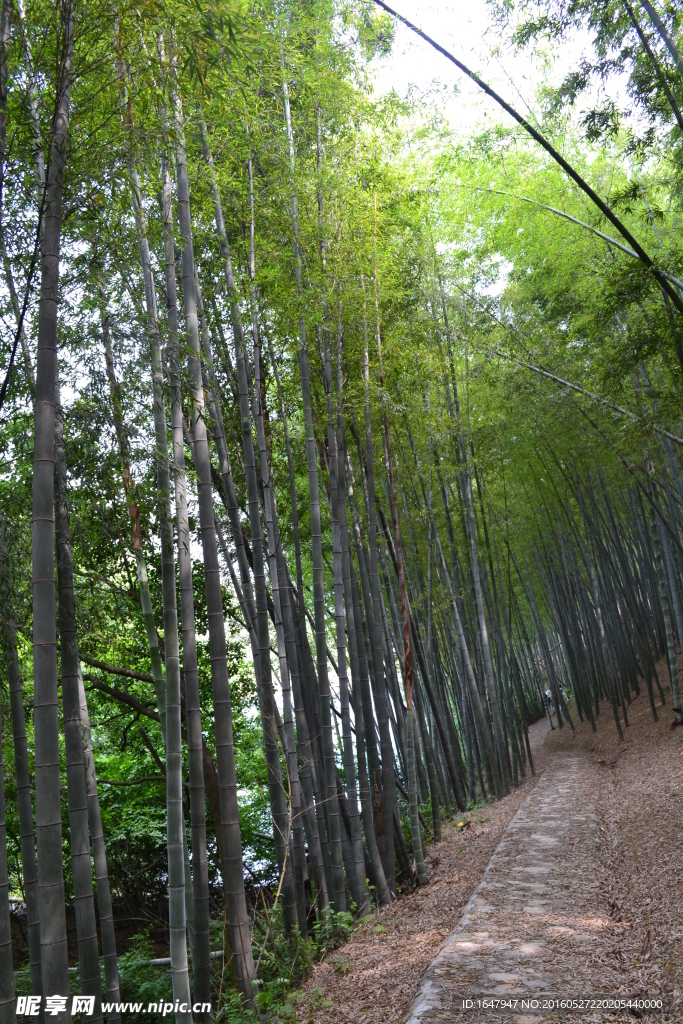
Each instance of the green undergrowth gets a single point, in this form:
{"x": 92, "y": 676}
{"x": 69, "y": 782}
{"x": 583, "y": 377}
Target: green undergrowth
{"x": 286, "y": 962}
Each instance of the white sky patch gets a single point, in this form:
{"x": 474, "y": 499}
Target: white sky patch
{"x": 494, "y": 289}
{"x": 468, "y": 32}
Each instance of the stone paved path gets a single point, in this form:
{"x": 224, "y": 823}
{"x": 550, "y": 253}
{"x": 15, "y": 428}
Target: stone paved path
{"x": 536, "y": 927}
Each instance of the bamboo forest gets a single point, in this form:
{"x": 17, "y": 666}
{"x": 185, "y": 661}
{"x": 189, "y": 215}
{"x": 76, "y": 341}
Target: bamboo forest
{"x": 341, "y": 511}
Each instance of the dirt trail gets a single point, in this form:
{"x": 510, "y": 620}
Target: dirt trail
{"x": 582, "y": 898}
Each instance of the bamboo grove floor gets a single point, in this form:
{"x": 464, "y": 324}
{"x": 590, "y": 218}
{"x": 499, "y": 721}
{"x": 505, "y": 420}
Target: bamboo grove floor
{"x": 619, "y": 863}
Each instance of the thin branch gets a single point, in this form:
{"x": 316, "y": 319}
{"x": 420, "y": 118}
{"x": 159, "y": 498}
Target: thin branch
{"x": 121, "y": 696}
{"x": 588, "y": 394}
{"x": 132, "y": 782}
{"x": 114, "y": 671}
{"x": 581, "y": 223}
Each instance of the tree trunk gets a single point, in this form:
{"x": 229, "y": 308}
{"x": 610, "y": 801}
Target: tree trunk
{"x": 495, "y": 753}
{"x": 366, "y": 666}
{"x": 201, "y": 961}
{"x": 9, "y": 647}
{"x": 355, "y": 861}
{"x": 225, "y": 755}
{"x": 170, "y": 705}
{"x": 331, "y": 805}
{"x": 431, "y": 766}
{"x": 79, "y": 838}
{"x": 175, "y": 821}
{"x": 329, "y": 768}
{"x": 442, "y": 717}
{"x": 316, "y": 830}
{"x": 489, "y": 676}
{"x": 278, "y": 801}
{"x": 7, "y": 621}
{"x": 388, "y": 785}
{"x": 129, "y": 489}
{"x": 479, "y": 711}
{"x": 279, "y": 599}
{"x": 7, "y": 998}
{"x": 337, "y": 497}
{"x": 106, "y": 915}
{"x": 21, "y": 766}
{"x": 46, "y": 722}
{"x": 415, "y": 834}
{"x": 358, "y": 671}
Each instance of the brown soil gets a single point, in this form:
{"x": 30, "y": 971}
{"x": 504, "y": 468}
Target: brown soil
{"x": 640, "y": 808}
{"x": 374, "y": 977}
